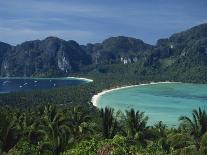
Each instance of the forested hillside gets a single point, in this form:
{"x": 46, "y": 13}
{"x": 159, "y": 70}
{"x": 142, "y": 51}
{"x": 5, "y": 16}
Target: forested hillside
{"x": 181, "y": 55}
{"x": 63, "y": 121}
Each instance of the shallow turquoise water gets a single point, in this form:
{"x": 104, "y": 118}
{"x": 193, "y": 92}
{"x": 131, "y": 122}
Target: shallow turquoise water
{"x": 26, "y": 84}
{"x": 161, "y": 102}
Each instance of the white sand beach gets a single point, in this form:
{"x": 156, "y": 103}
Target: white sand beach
{"x": 79, "y": 78}
{"x": 96, "y": 97}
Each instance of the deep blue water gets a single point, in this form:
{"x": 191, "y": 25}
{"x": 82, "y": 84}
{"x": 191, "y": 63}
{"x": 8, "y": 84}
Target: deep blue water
{"x": 26, "y": 84}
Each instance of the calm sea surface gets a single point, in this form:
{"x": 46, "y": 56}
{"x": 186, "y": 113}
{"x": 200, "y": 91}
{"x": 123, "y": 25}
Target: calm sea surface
{"x": 164, "y": 101}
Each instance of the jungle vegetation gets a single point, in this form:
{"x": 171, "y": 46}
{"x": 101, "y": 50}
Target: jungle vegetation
{"x": 63, "y": 120}
{"x": 78, "y": 130}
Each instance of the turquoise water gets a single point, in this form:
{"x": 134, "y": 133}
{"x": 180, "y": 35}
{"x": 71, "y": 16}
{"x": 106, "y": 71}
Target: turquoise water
{"x": 161, "y": 102}
{"x": 26, "y": 84}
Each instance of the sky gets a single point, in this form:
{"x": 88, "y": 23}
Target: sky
{"x": 91, "y": 21}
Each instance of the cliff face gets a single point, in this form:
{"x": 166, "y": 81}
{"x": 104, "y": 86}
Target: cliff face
{"x": 182, "y": 52}
{"x": 56, "y": 56}
{"x": 185, "y": 48}
{"x": 118, "y": 50}
{"x": 50, "y": 55}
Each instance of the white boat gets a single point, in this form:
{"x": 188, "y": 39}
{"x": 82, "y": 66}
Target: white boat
{"x": 5, "y": 82}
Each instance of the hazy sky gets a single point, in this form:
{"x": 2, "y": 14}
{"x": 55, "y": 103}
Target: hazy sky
{"x": 94, "y": 20}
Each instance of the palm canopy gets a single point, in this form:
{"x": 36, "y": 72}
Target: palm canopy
{"x": 135, "y": 122}
{"x": 9, "y": 135}
{"x": 198, "y": 123}
{"x": 56, "y": 132}
{"x": 109, "y": 123}
{"x": 79, "y": 121}
{"x": 161, "y": 128}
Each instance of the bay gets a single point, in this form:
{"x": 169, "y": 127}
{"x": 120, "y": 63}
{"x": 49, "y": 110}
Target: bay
{"x": 161, "y": 102}
{"x": 15, "y": 84}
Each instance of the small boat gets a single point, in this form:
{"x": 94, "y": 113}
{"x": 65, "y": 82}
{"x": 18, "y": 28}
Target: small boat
{"x": 20, "y": 86}
{"x": 35, "y": 81}
{"x": 5, "y": 82}
{"x": 54, "y": 84}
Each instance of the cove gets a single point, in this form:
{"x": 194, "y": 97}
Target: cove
{"x": 15, "y": 84}
{"x": 161, "y": 102}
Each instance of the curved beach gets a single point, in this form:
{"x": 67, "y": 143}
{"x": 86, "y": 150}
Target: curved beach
{"x": 79, "y": 78}
{"x": 95, "y": 98}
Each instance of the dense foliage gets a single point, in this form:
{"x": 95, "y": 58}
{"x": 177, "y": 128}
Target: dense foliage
{"x": 76, "y": 130}
{"x": 63, "y": 120}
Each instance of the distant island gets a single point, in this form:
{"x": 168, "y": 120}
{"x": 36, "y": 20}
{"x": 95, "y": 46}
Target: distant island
{"x": 66, "y": 121}
{"x": 182, "y": 56}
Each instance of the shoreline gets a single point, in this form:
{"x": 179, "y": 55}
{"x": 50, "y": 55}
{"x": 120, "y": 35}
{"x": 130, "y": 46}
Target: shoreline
{"x": 95, "y": 98}
{"x": 52, "y": 78}
{"x": 79, "y": 78}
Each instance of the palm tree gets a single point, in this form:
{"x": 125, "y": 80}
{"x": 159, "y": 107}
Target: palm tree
{"x": 203, "y": 148}
{"x": 197, "y": 126}
{"x": 162, "y": 135}
{"x": 78, "y": 120}
{"x": 56, "y": 132}
{"x": 109, "y": 123}
{"x": 27, "y": 124}
{"x": 180, "y": 142}
{"x": 161, "y": 128}
{"x": 8, "y": 133}
{"x": 135, "y": 122}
